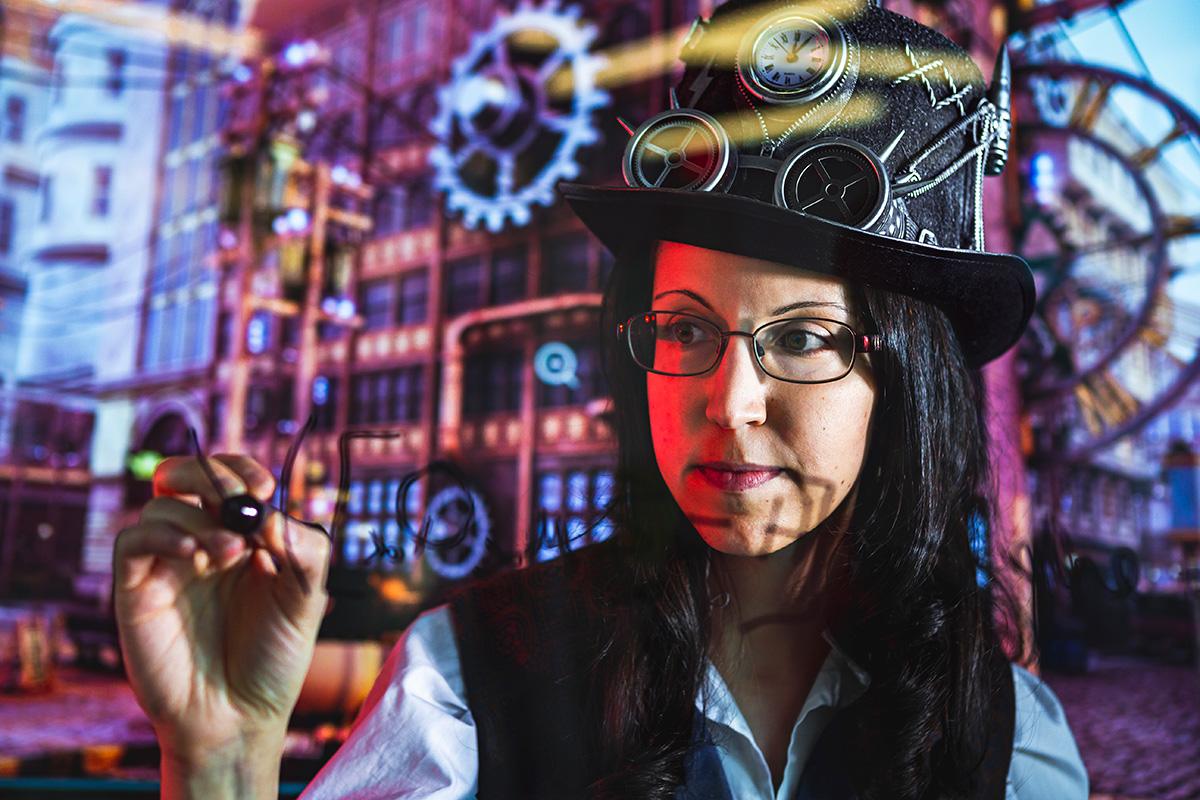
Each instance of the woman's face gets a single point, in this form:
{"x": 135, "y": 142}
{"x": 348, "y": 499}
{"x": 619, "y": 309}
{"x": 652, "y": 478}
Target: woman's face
{"x": 755, "y": 463}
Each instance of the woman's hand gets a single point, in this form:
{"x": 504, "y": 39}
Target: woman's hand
{"x": 217, "y": 633}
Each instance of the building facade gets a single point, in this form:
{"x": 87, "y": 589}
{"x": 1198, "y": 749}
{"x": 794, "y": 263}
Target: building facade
{"x": 438, "y": 341}
{"x": 153, "y": 387}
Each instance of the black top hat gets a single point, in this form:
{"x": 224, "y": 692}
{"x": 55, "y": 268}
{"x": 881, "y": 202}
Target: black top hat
{"x": 834, "y": 136}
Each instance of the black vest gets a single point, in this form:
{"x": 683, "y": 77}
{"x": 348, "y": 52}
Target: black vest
{"x": 527, "y": 640}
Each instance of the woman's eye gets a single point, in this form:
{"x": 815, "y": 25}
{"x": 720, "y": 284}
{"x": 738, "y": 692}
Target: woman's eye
{"x": 803, "y": 340}
{"x": 685, "y": 332}
{"x": 682, "y": 330}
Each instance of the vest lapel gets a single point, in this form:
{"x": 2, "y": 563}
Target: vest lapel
{"x": 704, "y": 778}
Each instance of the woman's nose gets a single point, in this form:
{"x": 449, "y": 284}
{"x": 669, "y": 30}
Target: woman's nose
{"x": 737, "y": 386}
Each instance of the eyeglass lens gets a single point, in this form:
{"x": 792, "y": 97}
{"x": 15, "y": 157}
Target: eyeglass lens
{"x": 801, "y": 350}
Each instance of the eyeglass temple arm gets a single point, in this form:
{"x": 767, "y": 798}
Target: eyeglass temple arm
{"x": 868, "y": 343}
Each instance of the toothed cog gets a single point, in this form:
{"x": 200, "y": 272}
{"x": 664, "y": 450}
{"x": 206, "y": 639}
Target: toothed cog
{"x": 515, "y": 113}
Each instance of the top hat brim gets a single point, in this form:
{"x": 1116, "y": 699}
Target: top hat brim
{"x": 988, "y": 297}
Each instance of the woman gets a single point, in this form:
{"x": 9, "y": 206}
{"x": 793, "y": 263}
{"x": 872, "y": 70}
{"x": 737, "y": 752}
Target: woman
{"x": 791, "y": 606}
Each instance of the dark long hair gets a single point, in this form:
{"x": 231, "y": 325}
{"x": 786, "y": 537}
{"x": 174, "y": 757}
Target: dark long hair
{"x": 916, "y": 619}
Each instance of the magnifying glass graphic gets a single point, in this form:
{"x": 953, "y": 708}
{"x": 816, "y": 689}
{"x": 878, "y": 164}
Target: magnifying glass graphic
{"x": 555, "y": 364}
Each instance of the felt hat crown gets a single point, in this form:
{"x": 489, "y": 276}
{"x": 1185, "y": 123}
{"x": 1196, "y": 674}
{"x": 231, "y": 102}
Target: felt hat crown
{"x": 834, "y": 136}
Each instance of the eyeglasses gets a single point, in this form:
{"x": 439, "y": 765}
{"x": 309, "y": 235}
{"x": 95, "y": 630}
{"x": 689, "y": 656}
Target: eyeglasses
{"x": 796, "y": 350}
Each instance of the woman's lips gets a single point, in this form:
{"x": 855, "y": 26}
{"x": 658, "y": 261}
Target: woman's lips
{"x": 736, "y": 477}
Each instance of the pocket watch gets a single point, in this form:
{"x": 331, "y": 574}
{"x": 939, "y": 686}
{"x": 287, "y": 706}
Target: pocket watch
{"x": 791, "y": 57}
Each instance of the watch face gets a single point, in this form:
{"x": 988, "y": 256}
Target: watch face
{"x": 791, "y": 58}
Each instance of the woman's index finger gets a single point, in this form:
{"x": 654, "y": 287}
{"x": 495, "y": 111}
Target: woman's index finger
{"x": 256, "y": 479}
{"x": 185, "y": 476}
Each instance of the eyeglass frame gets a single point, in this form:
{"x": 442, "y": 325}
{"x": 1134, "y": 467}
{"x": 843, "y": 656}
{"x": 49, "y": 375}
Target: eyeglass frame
{"x": 863, "y": 343}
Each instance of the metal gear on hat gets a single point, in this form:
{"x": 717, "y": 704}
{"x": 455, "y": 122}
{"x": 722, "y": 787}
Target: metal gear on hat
{"x": 838, "y": 137}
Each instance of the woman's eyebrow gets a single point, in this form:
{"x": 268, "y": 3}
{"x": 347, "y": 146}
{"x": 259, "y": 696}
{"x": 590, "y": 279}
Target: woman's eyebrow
{"x": 809, "y": 304}
{"x": 687, "y": 293}
{"x": 798, "y": 305}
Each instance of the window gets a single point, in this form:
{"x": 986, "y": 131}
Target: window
{"x": 508, "y": 276}
{"x": 7, "y": 218}
{"x": 175, "y": 124}
{"x": 464, "y": 285}
{"x": 47, "y": 199}
{"x": 57, "y": 80}
{"x": 191, "y": 190}
{"x": 14, "y": 119}
{"x": 571, "y": 506}
{"x": 203, "y": 95}
{"x": 376, "y": 303}
{"x": 101, "y": 191}
{"x": 390, "y": 396}
{"x": 413, "y": 307}
{"x": 493, "y": 383}
{"x": 181, "y": 255}
{"x": 162, "y": 265}
{"x": 325, "y": 398}
{"x": 199, "y": 333}
{"x": 361, "y": 408}
{"x": 116, "y": 72}
{"x": 224, "y": 335}
{"x": 565, "y": 265}
{"x": 168, "y": 194}
{"x": 404, "y": 38}
{"x": 390, "y": 210}
{"x": 408, "y": 389}
{"x": 391, "y": 39}
{"x": 421, "y": 204}
{"x": 259, "y": 405}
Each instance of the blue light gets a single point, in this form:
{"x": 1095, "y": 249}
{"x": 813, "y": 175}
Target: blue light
{"x": 280, "y": 225}
{"x": 1042, "y": 176}
{"x": 345, "y": 308}
{"x": 297, "y": 219}
{"x": 329, "y": 306}
{"x": 320, "y": 392}
{"x": 242, "y": 73}
{"x": 295, "y": 54}
{"x": 256, "y": 335}
{"x": 339, "y": 174}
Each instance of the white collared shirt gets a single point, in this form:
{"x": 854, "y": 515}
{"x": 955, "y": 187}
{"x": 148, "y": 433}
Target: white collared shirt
{"x": 415, "y": 737}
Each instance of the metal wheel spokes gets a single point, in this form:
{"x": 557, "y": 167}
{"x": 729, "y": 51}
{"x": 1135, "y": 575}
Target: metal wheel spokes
{"x": 1105, "y": 215}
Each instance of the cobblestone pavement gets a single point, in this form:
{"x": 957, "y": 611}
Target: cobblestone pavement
{"x": 1137, "y": 724}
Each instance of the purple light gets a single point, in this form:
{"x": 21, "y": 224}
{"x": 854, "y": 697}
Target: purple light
{"x": 280, "y": 225}
{"x": 330, "y": 306}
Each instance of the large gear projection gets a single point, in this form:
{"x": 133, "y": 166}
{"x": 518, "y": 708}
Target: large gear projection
{"x": 515, "y": 114}
{"x": 1109, "y": 347}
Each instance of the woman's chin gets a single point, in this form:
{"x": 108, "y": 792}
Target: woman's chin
{"x": 739, "y": 538}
